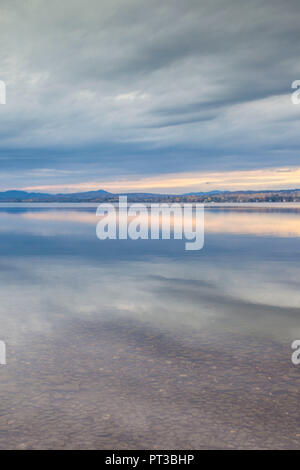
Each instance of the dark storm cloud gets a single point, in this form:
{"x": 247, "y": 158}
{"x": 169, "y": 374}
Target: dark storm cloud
{"x": 144, "y": 87}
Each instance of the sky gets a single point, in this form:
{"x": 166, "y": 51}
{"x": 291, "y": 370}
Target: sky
{"x": 148, "y": 95}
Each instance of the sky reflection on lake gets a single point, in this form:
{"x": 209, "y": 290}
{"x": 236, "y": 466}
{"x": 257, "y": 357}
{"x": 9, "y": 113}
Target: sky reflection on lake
{"x": 203, "y": 325}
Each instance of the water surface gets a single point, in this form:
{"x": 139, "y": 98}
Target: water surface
{"x": 141, "y": 344}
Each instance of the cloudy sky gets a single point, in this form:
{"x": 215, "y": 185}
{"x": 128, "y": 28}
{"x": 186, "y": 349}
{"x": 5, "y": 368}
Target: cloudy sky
{"x": 149, "y": 95}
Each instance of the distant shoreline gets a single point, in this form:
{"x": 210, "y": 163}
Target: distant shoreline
{"x": 100, "y": 196}
{"x": 209, "y": 205}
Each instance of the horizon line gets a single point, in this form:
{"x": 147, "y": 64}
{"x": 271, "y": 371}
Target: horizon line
{"x": 191, "y": 193}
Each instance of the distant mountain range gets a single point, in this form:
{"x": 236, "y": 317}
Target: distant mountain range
{"x": 15, "y": 195}
{"x": 24, "y": 195}
{"x": 101, "y": 195}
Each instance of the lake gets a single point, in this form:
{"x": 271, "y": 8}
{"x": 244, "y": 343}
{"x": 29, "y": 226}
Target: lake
{"x": 123, "y": 344}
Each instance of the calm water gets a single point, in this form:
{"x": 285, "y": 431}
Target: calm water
{"x": 141, "y": 344}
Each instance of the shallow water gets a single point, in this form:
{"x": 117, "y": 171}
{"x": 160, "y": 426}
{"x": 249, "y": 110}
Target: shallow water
{"x": 141, "y": 344}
